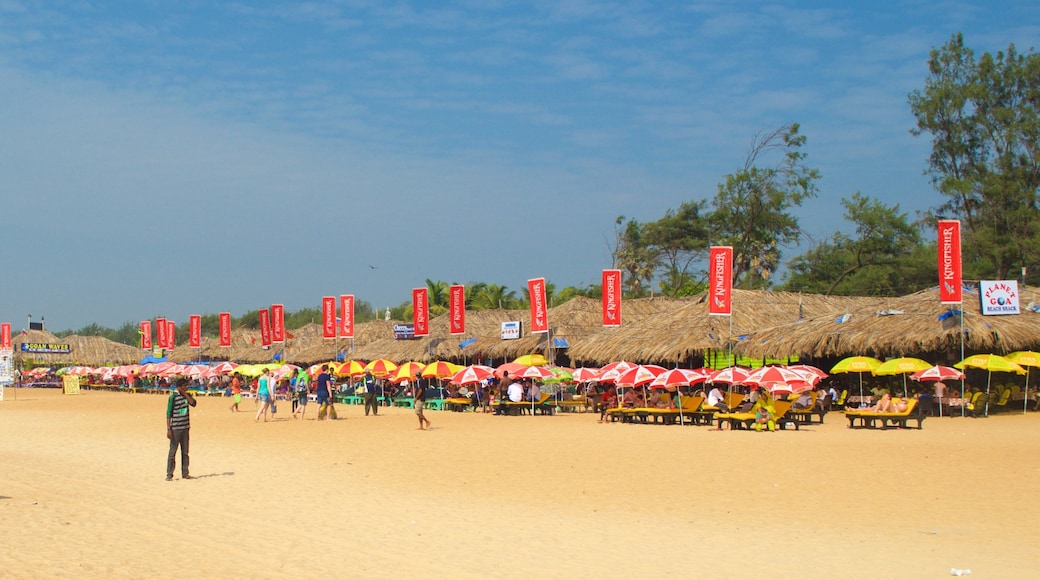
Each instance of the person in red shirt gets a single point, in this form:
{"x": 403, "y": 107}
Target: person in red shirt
{"x": 236, "y": 392}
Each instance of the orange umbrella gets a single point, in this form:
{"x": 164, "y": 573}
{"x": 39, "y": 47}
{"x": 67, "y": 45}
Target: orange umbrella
{"x": 381, "y": 367}
{"x": 440, "y": 370}
{"x": 351, "y": 368}
{"x": 407, "y": 372}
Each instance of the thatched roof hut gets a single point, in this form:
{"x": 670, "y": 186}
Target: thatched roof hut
{"x": 686, "y": 330}
{"x": 83, "y": 350}
{"x": 905, "y": 325}
{"x": 440, "y": 344}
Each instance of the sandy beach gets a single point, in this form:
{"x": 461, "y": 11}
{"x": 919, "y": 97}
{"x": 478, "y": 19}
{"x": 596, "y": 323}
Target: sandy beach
{"x": 83, "y": 495}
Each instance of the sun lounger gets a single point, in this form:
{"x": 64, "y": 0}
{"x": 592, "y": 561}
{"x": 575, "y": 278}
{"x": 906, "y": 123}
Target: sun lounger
{"x": 542, "y": 405}
{"x": 873, "y": 419}
{"x": 458, "y": 404}
{"x": 688, "y": 412}
{"x": 805, "y": 416}
{"x": 746, "y": 419}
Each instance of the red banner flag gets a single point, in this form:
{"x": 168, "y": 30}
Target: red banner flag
{"x": 160, "y": 332}
{"x": 950, "y": 281}
{"x": 195, "y": 331}
{"x": 720, "y": 278}
{"x": 346, "y": 312}
{"x": 421, "y": 311}
{"x": 171, "y": 334}
{"x": 457, "y": 309}
{"x": 225, "y": 329}
{"x": 146, "y": 334}
{"x": 328, "y": 317}
{"x": 277, "y": 323}
{"x": 611, "y": 297}
{"x": 5, "y": 335}
{"x": 539, "y": 316}
{"x": 265, "y": 327}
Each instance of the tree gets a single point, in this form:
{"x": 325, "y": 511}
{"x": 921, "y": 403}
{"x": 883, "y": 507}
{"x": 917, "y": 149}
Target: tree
{"x": 634, "y": 256}
{"x": 882, "y": 259}
{"x": 492, "y": 296}
{"x": 751, "y": 210}
{"x": 982, "y": 116}
{"x": 679, "y": 241}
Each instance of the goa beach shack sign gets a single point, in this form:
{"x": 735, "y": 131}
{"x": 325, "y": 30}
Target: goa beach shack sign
{"x": 511, "y": 330}
{"x": 46, "y": 348}
{"x": 999, "y": 297}
{"x": 404, "y": 331}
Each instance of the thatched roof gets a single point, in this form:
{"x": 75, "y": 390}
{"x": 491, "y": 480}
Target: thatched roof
{"x": 83, "y": 350}
{"x": 904, "y": 325}
{"x": 686, "y": 330}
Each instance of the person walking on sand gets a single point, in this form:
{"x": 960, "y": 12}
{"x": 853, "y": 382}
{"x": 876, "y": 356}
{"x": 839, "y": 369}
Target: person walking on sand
{"x": 372, "y": 394}
{"x": 265, "y": 393}
{"x": 301, "y": 396}
{"x": 322, "y": 393}
{"x": 419, "y": 398}
{"x": 236, "y": 392}
{"x": 178, "y": 424}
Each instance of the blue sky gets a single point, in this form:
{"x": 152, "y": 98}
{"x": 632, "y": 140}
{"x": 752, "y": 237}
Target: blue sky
{"x": 171, "y": 158}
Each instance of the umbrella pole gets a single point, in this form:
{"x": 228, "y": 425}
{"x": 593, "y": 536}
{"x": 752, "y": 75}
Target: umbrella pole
{"x": 860, "y": 389}
{"x": 989, "y": 379}
{"x": 1025, "y": 401}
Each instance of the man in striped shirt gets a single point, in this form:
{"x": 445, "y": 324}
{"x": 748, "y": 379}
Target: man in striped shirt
{"x": 178, "y": 423}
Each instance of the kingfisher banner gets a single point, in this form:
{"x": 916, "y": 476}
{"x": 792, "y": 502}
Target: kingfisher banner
{"x": 611, "y": 298}
{"x": 277, "y": 323}
{"x": 346, "y": 312}
{"x": 328, "y": 317}
{"x": 5, "y": 336}
{"x": 950, "y": 281}
{"x": 539, "y": 317}
{"x": 171, "y": 335}
{"x": 421, "y": 311}
{"x": 160, "y": 332}
{"x": 265, "y": 327}
{"x": 195, "y": 331}
{"x": 457, "y": 309}
{"x": 225, "y": 329}
{"x": 720, "y": 281}
{"x": 146, "y": 334}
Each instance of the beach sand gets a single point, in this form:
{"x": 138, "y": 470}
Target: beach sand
{"x": 83, "y": 495}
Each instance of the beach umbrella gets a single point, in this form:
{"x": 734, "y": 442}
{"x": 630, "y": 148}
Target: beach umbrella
{"x": 539, "y": 373}
{"x": 990, "y": 363}
{"x": 904, "y": 365}
{"x": 1025, "y": 359}
{"x": 773, "y": 375}
{"x": 584, "y": 375}
{"x": 225, "y": 367}
{"x": 381, "y": 367}
{"x": 249, "y": 370}
{"x": 561, "y": 375}
{"x": 407, "y": 372}
{"x": 531, "y": 360}
{"x": 639, "y": 375}
{"x": 610, "y": 372}
{"x": 938, "y": 373}
{"x": 286, "y": 370}
{"x": 858, "y": 365}
{"x": 678, "y": 378}
{"x": 511, "y": 367}
{"x": 730, "y": 375}
{"x": 473, "y": 374}
{"x": 350, "y": 368}
{"x": 814, "y": 375}
{"x": 440, "y": 370}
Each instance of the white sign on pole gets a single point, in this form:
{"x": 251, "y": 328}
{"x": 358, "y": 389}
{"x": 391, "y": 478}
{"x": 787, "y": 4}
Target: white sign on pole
{"x": 999, "y": 297}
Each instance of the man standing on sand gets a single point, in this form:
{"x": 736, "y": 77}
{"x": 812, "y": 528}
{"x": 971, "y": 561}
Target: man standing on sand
{"x": 236, "y": 391}
{"x": 372, "y": 393}
{"x": 322, "y": 394}
{"x": 177, "y": 426}
{"x": 419, "y": 399}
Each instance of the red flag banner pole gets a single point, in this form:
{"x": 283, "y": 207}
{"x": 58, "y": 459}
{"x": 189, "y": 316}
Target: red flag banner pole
{"x": 539, "y": 316}
{"x": 346, "y": 312}
{"x": 457, "y": 309}
{"x": 277, "y": 323}
{"x": 611, "y": 298}
{"x": 146, "y": 335}
{"x": 225, "y": 329}
{"x": 421, "y": 311}
{"x": 195, "y": 331}
{"x": 328, "y": 317}
{"x": 265, "y": 327}
{"x": 950, "y": 281}
{"x": 720, "y": 277}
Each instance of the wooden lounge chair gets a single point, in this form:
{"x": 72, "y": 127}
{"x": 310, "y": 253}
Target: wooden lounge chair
{"x": 746, "y": 419}
{"x": 873, "y": 419}
{"x": 805, "y": 416}
{"x": 543, "y": 405}
{"x": 458, "y": 404}
{"x": 688, "y": 411}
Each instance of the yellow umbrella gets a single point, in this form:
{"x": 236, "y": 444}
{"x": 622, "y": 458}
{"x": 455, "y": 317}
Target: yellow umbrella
{"x": 351, "y": 368}
{"x": 381, "y": 367}
{"x": 407, "y": 372}
{"x": 990, "y": 362}
{"x": 859, "y": 365}
{"x": 903, "y": 365}
{"x": 440, "y": 370}
{"x": 532, "y": 360}
{"x": 1027, "y": 359}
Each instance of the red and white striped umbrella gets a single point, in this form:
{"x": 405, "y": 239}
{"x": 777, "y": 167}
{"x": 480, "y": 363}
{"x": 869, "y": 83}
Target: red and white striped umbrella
{"x": 540, "y": 373}
{"x": 639, "y": 375}
{"x": 225, "y": 367}
{"x": 730, "y": 375}
{"x": 817, "y": 374}
{"x": 612, "y": 371}
{"x": 774, "y": 374}
{"x": 938, "y": 373}
{"x": 584, "y": 375}
{"x": 678, "y": 378}
{"x": 473, "y": 374}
